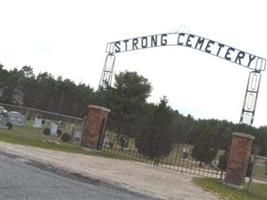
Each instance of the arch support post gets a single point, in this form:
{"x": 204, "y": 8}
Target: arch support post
{"x": 251, "y": 96}
{"x": 94, "y": 127}
{"x": 237, "y": 165}
{"x": 106, "y": 77}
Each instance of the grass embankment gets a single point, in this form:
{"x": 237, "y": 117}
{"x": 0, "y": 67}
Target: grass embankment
{"x": 225, "y": 192}
{"x": 34, "y": 137}
{"x": 260, "y": 173}
{"x": 30, "y": 136}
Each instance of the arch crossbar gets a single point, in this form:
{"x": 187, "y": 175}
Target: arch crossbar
{"x": 250, "y": 61}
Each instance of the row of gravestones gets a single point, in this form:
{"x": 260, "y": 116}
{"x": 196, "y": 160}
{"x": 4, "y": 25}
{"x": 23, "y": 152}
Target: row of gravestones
{"x": 19, "y": 119}
{"x": 38, "y": 123}
{"x": 75, "y": 132}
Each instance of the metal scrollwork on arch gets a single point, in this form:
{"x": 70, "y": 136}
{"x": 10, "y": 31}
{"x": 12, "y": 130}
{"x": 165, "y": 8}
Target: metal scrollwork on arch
{"x": 255, "y": 63}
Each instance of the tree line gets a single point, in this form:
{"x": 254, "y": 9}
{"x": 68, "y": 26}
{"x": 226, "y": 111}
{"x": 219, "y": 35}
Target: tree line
{"x": 157, "y": 126}
{"x": 131, "y": 114}
{"x": 44, "y": 91}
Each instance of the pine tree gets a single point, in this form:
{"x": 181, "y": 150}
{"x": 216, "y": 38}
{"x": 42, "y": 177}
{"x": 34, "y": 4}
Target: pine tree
{"x": 154, "y": 140}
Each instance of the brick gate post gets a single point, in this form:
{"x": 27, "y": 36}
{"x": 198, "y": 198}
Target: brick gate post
{"x": 238, "y": 159}
{"x": 94, "y": 128}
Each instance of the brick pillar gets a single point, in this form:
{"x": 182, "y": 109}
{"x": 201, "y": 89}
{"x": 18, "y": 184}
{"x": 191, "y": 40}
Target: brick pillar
{"x": 238, "y": 159}
{"x": 94, "y": 126}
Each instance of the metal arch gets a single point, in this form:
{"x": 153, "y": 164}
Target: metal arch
{"x": 253, "y": 84}
{"x": 172, "y": 39}
{"x": 107, "y": 72}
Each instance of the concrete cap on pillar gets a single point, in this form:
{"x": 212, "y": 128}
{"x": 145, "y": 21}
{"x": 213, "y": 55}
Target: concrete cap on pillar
{"x": 99, "y": 108}
{"x": 244, "y": 135}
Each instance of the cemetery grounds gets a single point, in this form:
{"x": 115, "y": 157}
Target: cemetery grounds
{"x": 133, "y": 176}
{"x": 32, "y": 136}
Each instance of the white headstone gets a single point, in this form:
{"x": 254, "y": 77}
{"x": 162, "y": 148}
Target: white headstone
{"x": 77, "y": 135}
{"x": 16, "y": 118}
{"x": 3, "y": 122}
{"x": 3, "y": 118}
{"x": 37, "y": 122}
{"x": 53, "y": 129}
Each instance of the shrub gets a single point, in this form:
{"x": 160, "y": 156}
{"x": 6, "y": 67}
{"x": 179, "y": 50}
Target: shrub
{"x": 9, "y": 125}
{"x": 66, "y": 137}
{"x": 59, "y": 132}
{"x": 47, "y": 131}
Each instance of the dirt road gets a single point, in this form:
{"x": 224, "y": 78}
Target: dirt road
{"x": 133, "y": 176}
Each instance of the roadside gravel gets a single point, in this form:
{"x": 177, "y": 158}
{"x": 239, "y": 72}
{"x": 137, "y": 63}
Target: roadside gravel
{"x": 133, "y": 176}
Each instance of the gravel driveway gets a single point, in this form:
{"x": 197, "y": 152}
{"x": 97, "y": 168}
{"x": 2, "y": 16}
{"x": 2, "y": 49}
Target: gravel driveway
{"x": 133, "y": 176}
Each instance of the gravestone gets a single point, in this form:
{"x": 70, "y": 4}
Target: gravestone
{"x": 3, "y": 118}
{"x": 53, "y": 129}
{"x": 37, "y": 122}
{"x": 16, "y": 118}
{"x": 77, "y": 135}
{"x": 3, "y": 122}
{"x": 124, "y": 141}
{"x": 2, "y": 109}
{"x": 107, "y": 143}
{"x": 185, "y": 153}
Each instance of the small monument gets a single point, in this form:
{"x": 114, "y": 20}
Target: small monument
{"x": 37, "y": 122}
{"x": 3, "y": 118}
{"x": 2, "y": 109}
{"x": 53, "y": 129}
{"x": 77, "y": 135}
{"x": 16, "y": 118}
{"x": 3, "y": 122}
{"x": 107, "y": 143}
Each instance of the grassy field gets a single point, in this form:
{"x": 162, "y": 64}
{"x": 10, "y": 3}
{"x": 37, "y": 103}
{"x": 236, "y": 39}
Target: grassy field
{"x": 260, "y": 173}
{"x": 31, "y": 136}
{"x": 225, "y": 192}
{"x": 34, "y": 137}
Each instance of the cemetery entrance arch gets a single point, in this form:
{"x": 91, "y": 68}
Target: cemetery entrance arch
{"x": 254, "y": 63}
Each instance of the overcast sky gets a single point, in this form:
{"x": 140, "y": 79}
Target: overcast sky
{"x": 69, "y": 38}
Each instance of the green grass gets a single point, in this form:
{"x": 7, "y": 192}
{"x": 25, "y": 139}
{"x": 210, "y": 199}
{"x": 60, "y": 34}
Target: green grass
{"x": 34, "y": 137}
{"x": 260, "y": 173}
{"x": 225, "y": 192}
